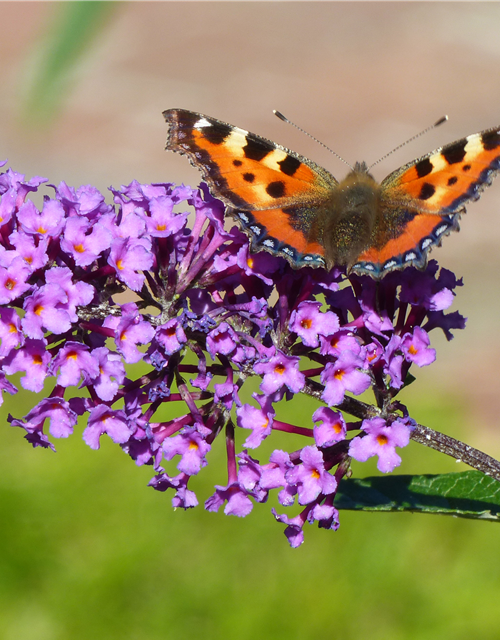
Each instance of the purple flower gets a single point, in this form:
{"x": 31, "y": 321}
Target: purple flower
{"x": 10, "y": 331}
{"x": 381, "y": 440}
{"x": 273, "y": 475}
{"x": 249, "y": 474}
{"x": 238, "y": 502}
{"x": 342, "y": 376}
{"x": 171, "y": 336}
{"x": 183, "y": 498}
{"x": 332, "y": 428}
{"x": 336, "y": 344}
{"x": 310, "y": 476}
{"x": 294, "y": 531}
{"x": 33, "y": 359}
{"x": 130, "y": 330}
{"x": 260, "y": 421}
{"x": 57, "y": 411}
{"x": 30, "y": 249}
{"x": 308, "y": 323}
{"x": 326, "y": 515}
{"x": 163, "y": 222}
{"x": 13, "y": 280}
{"x": 83, "y": 242}
{"x": 74, "y": 361}
{"x": 192, "y": 448}
{"x": 222, "y": 339}
{"x": 111, "y": 373}
{"x": 128, "y": 257}
{"x": 416, "y": 348}
{"x": 48, "y": 223}
{"x": 278, "y": 371}
{"x": 103, "y": 420}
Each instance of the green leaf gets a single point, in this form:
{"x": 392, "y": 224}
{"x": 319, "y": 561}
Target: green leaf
{"x": 68, "y": 39}
{"x": 467, "y": 495}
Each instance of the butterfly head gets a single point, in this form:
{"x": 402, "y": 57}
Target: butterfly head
{"x": 360, "y": 167}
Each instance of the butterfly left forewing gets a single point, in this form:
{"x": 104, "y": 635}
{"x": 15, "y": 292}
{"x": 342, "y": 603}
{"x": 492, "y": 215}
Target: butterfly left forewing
{"x": 271, "y": 191}
{"x": 422, "y": 201}
{"x": 244, "y": 170}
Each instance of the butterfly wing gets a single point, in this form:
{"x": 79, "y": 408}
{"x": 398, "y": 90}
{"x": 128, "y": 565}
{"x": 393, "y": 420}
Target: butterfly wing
{"x": 272, "y": 192}
{"x": 422, "y": 201}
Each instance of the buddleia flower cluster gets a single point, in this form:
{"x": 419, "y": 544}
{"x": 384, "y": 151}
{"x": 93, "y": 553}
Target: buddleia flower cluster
{"x": 88, "y": 288}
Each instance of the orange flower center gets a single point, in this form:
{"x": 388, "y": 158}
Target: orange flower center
{"x": 381, "y": 439}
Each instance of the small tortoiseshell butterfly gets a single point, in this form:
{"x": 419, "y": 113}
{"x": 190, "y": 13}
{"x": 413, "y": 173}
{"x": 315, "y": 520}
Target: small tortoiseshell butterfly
{"x": 291, "y": 207}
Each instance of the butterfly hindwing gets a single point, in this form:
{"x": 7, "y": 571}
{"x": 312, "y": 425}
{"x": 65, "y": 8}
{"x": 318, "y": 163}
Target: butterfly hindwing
{"x": 282, "y": 232}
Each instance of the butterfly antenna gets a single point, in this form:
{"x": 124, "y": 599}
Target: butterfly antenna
{"x": 282, "y": 117}
{"x": 433, "y": 126}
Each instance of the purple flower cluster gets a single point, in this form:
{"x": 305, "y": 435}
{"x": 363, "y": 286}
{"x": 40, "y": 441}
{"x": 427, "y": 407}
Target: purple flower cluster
{"x": 204, "y": 315}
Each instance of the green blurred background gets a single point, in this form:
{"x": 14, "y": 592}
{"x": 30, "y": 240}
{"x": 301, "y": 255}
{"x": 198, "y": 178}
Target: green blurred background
{"x": 87, "y": 549}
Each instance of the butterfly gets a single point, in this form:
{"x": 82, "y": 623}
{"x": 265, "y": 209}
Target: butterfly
{"x": 291, "y": 207}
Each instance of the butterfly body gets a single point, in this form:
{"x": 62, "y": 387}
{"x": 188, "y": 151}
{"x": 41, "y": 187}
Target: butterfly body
{"x": 292, "y": 207}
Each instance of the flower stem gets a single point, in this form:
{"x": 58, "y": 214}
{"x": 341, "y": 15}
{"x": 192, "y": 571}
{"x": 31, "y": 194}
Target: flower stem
{"x": 458, "y": 450}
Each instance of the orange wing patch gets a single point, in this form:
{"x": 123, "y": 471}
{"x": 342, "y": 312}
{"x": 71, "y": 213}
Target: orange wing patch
{"x": 421, "y": 227}
{"x": 277, "y": 224}
{"x": 243, "y": 169}
{"x": 444, "y": 180}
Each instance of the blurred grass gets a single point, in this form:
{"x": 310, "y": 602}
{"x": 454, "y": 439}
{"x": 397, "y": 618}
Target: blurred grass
{"x": 54, "y": 63}
{"x": 88, "y": 550}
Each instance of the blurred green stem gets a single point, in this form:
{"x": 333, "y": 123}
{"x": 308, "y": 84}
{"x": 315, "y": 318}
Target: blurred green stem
{"x": 69, "y": 37}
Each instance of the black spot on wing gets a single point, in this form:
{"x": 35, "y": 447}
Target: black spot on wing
{"x": 453, "y": 180}
{"x": 256, "y": 149}
{"x": 424, "y": 167}
{"x": 427, "y": 191}
{"x": 455, "y": 152}
{"x": 216, "y": 134}
{"x": 237, "y": 163}
{"x": 248, "y": 177}
{"x": 490, "y": 140}
{"x": 289, "y": 165}
{"x": 466, "y": 167}
{"x": 276, "y": 189}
